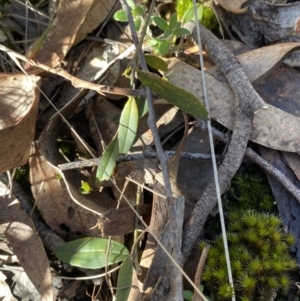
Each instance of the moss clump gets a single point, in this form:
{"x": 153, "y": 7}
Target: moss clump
{"x": 259, "y": 253}
{"x": 250, "y": 192}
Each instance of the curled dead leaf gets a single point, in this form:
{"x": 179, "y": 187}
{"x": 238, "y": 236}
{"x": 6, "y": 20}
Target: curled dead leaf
{"x": 233, "y": 6}
{"x": 19, "y": 99}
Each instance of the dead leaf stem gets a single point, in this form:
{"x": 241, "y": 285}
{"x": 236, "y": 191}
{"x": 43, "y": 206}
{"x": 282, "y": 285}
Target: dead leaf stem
{"x": 247, "y": 103}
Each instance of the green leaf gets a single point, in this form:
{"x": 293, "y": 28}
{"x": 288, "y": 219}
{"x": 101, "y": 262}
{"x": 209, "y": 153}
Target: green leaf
{"x": 131, "y": 4}
{"x": 108, "y": 161}
{"x": 120, "y": 16}
{"x": 91, "y": 252}
{"x": 164, "y": 47}
{"x": 188, "y": 295}
{"x": 161, "y": 23}
{"x": 173, "y": 21}
{"x": 139, "y": 11}
{"x": 128, "y": 126}
{"x": 190, "y": 15}
{"x": 142, "y": 105}
{"x": 124, "y": 280}
{"x": 168, "y": 32}
{"x": 156, "y": 62}
{"x": 137, "y": 23}
{"x": 181, "y": 32}
{"x": 175, "y": 95}
{"x": 85, "y": 187}
{"x": 177, "y": 26}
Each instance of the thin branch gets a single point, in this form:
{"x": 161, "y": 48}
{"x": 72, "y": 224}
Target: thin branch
{"x": 269, "y": 168}
{"x": 135, "y": 157}
{"x": 76, "y": 82}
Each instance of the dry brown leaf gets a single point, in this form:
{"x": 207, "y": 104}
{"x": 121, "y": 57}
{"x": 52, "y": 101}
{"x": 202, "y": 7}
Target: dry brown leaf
{"x": 233, "y": 6}
{"x": 66, "y": 218}
{"x": 260, "y": 62}
{"x": 273, "y": 127}
{"x": 74, "y": 20}
{"x": 19, "y": 99}
{"x": 19, "y": 230}
{"x": 98, "y": 12}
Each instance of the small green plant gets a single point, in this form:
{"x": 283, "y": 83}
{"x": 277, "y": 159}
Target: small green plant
{"x": 171, "y": 29}
{"x": 137, "y": 14}
{"x": 259, "y": 253}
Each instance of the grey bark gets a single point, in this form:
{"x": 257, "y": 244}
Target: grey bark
{"x": 247, "y": 103}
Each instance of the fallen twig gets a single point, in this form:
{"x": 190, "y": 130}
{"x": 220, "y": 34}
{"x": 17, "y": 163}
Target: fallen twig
{"x": 247, "y": 103}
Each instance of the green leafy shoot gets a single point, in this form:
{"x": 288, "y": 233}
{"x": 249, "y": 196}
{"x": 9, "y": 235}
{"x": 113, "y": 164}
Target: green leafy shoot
{"x": 171, "y": 30}
{"x": 91, "y": 252}
{"x": 85, "y": 187}
{"x": 137, "y": 14}
{"x": 122, "y": 143}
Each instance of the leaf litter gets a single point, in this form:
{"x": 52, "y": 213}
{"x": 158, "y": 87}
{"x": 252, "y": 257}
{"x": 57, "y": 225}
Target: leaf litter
{"x": 275, "y": 127}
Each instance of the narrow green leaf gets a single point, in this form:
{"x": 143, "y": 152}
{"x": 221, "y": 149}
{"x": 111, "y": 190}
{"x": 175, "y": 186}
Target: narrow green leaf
{"x": 91, "y": 252}
{"x": 164, "y": 47}
{"x": 181, "y": 32}
{"x": 124, "y": 280}
{"x": 161, "y": 23}
{"x": 120, "y": 16}
{"x": 173, "y": 21}
{"x": 142, "y": 105}
{"x": 128, "y": 126}
{"x": 175, "y": 95}
{"x": 156, "y": 62}
{"x": 108, "y": 161}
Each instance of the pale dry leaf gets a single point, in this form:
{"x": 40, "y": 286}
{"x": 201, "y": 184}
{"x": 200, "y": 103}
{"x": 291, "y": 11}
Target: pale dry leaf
{"x": 260, "y": 62}
{"x": 19, "y": 99}
{"x": 19, "y": 230}
{"x": 5, "y": 293}
{"x": 74, "y": 20}
{"x": 273, "y": 127}
{"x": 233, "y": 6}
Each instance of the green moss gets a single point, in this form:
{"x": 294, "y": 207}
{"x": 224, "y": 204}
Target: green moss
{"x": 260, "y": 259}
